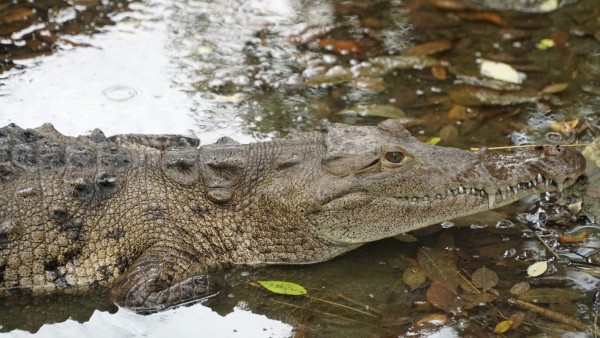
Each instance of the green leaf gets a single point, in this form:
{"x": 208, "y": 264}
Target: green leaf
{"x": 283, "y": 288}
{"x": 433, "y": 141}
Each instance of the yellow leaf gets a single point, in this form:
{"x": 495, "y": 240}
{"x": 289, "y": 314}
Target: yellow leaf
{"x": 545, "y": 44}
{"x": 433, "y": 141}
{"x": 503, "y": 326}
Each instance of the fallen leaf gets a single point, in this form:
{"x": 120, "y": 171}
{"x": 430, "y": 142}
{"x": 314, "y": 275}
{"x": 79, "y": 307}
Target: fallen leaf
{"x": 470, "y": 96}
{"x": 374, "y": 110}
{"x": 434, "y": 318}
{"x": 440, "y": 266}
{"x": 439, "y": 72}
{"x": 484, "y": 279}
{"x": 564, "y": 127}
{"x": 444, "y": 299}
{"x": 517, "y": 318}
{"x": 520, "y": 288}
{"x": 544, "y": 44}
{"x": 433, "y": 141}
{"x": 549, "y": 295}
{"x": 414, "y": 277}
{"x": 500, "y": 71}
{"x": 406, "y": 238}
{"x": 578, "y": 237}
{"x": 537, "y": 269}
{"x": 16, "y": 14}
{"x": 555, "y": 88}
{"x": 284, "y": 288}
{"x": 503, "y": 326}
{"x": 343, "y": 47}
{"x": 428, "y": 48}
{"x": 459, "y": 112}
{"x": 486, "y": 17}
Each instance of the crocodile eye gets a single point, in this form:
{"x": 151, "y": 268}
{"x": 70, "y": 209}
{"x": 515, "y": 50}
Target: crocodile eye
{"x": 394, "y": 156}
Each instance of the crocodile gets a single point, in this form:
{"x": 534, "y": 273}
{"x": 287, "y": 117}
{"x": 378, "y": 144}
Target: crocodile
{"x": 153, "y": 221}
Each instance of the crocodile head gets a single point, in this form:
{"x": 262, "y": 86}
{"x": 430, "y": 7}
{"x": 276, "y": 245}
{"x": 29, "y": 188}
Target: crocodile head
{"x": 383, "y": 182}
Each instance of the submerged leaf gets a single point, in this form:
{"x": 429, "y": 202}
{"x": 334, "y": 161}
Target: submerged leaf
{"x": 440, "y": 266}
{"x": 469, "y": 96}
{"x": 485, "y": 279}
{"x": 414, "y": 277}
{"x": 520, "y": 288}
{"x": 433, "y": 140}
{"x": 442, "y": 298}
{"x": 550, "y": 295}
{"x": 284, "y": 288}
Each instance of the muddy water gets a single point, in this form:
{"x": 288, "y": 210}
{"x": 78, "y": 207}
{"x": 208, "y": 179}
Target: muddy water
{"x": 255, "y": 70}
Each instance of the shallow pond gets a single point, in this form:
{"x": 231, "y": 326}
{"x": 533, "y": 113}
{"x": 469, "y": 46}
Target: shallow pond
{"x": 254, "y": 70}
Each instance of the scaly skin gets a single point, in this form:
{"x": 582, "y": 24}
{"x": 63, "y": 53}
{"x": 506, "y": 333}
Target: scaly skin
{"x": 152, "y": 224}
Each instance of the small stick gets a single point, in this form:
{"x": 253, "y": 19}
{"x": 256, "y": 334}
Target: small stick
{"x": 530, "y": 146}
{"x": 340, "y": 305}
{"x": 355, "y": 302}
{"x": 560, "y": 259}
{"x": 550, "y": 314}
{"x": 317, "y": 311}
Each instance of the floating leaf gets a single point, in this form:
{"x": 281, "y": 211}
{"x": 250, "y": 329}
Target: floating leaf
{"x": 550, "y": 295}
{"x": 500, "y": 71}
{"x": 503, "y": 326}
{"x": 520, "y": 288}
{"x": 284, "y": 288}
{"x": 414, "y": 277}
{"x": 485, "y": 279}
{"x": 433, "y": 141}
{"x": 440, "y": 266}
{"x": 537, "y": 269}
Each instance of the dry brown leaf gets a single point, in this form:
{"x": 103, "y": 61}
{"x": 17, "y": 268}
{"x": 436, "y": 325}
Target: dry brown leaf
{"x": 428, "y": 48}
{"x": 340, "y": 46}
{"x": 439, "y": 72}
{"x": 564, "y": 127}
{"x": 434, "y": 318}
{"x": 517, "y": 318}
{"x": 458, "y": 112}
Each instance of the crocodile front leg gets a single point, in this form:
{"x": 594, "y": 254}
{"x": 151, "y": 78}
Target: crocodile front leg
{"x": 161, "y": 279}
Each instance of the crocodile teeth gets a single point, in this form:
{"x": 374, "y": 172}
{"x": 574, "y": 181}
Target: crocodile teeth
{"x": 503, "y": 193}
{"x": 546, "y": 182}
{"x": 560, "y": 186}
{"x": 514, "y": 189}
{"x": 539, "y": 179}
{"x": 461, "y": 190}
{"x": 491, "y": 200}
